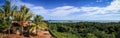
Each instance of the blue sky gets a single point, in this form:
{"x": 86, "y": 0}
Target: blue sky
{"x": 72, "y": 9}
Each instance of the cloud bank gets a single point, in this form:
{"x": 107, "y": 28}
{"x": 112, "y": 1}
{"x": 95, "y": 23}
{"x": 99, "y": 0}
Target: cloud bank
{"x": 110, "y": 12}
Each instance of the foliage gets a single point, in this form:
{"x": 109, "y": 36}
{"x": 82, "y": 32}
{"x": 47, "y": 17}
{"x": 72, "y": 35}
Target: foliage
{"x": 22, "y": 16}
{"x": 85, "y": 29}
{"x": 3, "y": 25}
{"x": 5, "y": 13}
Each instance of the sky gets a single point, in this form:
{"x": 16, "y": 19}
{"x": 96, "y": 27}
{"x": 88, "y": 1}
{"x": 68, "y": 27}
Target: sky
{"x": 72, "y": 9}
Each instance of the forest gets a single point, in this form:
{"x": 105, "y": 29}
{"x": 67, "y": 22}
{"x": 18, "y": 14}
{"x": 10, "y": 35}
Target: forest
{"x": 85, "y": 29}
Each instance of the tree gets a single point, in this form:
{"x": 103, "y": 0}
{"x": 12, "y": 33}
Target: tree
{"x": 37, "y": 20}
{"x": 2, "y": 15}
{"x": 90, "y": 35}
{"x": 22, "y": 16}
{"x": 5, "y": 13}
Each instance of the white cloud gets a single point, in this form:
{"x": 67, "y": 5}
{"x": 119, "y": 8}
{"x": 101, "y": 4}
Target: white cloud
{"x": 63, "y": 11}
{"x": 33, "y": 8}
{"x": 107, "y": 12}
{"x": 39, "y": 10}
{"x": 20, "y": 3}
{"x": 114, "y": 7}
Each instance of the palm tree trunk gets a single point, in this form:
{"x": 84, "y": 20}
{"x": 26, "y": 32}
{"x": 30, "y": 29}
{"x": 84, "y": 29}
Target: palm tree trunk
{"x": 9, "y": 30}
{"x": 22, "y": 30}
{"x": 9, "y": 27}
{"x": 36, "y": 29}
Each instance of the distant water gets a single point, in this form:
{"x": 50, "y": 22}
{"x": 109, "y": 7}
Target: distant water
{"x": 83, "y": 20}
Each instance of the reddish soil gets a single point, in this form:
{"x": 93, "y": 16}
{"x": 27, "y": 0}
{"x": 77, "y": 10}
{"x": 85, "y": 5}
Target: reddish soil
{"x": 13, "y": 36}
{"x": 41, "y": 34}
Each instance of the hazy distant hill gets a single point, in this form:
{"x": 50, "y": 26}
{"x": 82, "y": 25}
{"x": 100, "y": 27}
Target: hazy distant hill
{"x": 83, "y": 20}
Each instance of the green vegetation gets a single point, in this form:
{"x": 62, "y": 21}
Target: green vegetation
{"x": 13, "y": 19}
{"x": 85, "y": 30}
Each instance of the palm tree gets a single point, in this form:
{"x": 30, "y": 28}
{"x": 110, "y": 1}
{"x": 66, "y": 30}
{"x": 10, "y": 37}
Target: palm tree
{"x": 10, "y": 14}
{"x": 22, "y": 16}
{"x": 37, "y": 20}
{"x": 33, "y": 28}
{"x": 2, "y": 22}
{"x": 6, "y": 11}
{"x": 2, "y": 15}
